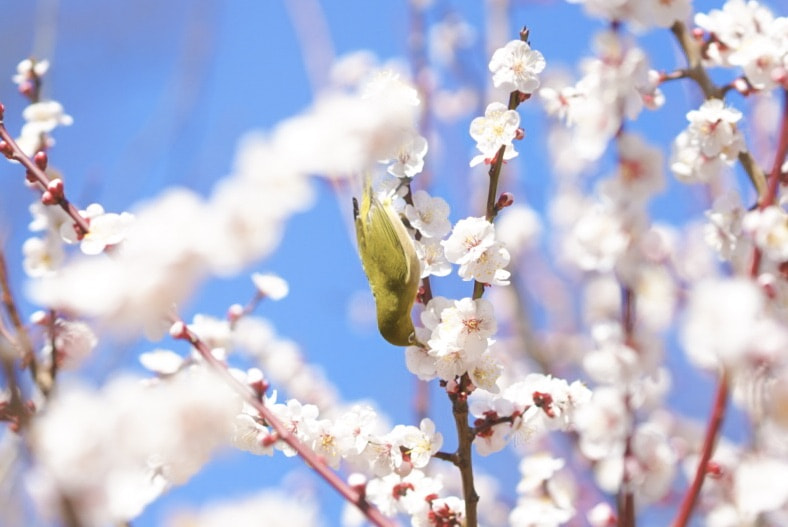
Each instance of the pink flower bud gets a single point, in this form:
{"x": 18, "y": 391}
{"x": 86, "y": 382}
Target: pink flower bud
{"x": 41, "y": 159}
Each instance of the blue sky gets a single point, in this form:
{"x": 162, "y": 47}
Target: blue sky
{"x": 161, "y": 91}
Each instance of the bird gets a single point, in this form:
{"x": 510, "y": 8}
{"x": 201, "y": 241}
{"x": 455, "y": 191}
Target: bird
{"x": 388, "y": 256}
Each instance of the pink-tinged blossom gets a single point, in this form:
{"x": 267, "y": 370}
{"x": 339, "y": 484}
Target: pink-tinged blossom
{"x": 655, "y": 463}
{"x": 748, "y": 35}
{"x": 616, "y": 84}
{"x": 441, "y": 511}
{"x": 419, "y": 443}
{"x": 394, "y": 494}
{"x": 516, "y": 67}
{"x": 535, "y": 404}
{"x": 458, "y": 336}
{"x": 497, "y": 128}
{"x": 640, "y": 171}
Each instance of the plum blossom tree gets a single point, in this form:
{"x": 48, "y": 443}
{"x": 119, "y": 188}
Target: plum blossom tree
{"x": 555, "y": 344}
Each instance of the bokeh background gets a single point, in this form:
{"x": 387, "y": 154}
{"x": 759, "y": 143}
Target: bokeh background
{"x": 161, "y": 92}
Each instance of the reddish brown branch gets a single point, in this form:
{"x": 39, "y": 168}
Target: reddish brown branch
{"x": 712, "y": 432}
{"x": 40, "y": 177}
{"x": 312, "y": 460}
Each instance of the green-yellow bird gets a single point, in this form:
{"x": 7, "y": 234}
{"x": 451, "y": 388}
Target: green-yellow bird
{"x": 388, "y": 256}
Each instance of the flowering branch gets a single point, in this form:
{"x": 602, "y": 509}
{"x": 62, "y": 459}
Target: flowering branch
{"x": 53, "y": 193}
{"x": 693, "y": 53}
{"x": 181, "y": 331}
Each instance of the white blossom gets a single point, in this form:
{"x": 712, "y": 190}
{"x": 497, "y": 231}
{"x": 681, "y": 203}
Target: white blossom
{"x": 496, "y": 129}
{"x": 429, "y": 215}
{"x": 270, "y": 285}
{"x": 115, "y": 449}
{"x": 277, "y": 507}
{"x": 432, "y": 258}
{"x": 769, "y": 229}
{"x": 720, "y": 319}
{"x": 408, "y": 160}
{"x": 515, "y": 66}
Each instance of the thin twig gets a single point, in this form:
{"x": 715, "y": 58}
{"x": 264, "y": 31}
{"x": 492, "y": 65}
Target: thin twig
{"x": 693, "y": 53}
{"x": 40, "y": 177}
{"x": 312, "y": 460}
{"x": 712, "y": 432}
{"x": 22, "y": 339}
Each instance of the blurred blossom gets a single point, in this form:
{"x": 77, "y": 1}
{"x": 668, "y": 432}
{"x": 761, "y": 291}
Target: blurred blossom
{"x": 616, "y": 84}
{"x": 42, "y": 256}
{"x": 114, "y": 450}
{"x": 270, "y": 286}
{"x": 275, "y": 507}
{"x": 178, "y": 239}
{"x": 448, "y": 37}
{"x": 720, "y": 319}
{"x": 73, "y": 342}
{"x": 724, "y": 227}
{"x": 748, "y": 35}
{"x": 28, "y": 68}
{"x": 597, "y": 240}
{"x": 519, "y": 228}
{"x": 755, "y": 491}
{"x": 769, "y": 230}
{"x": 643, "y": 14}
